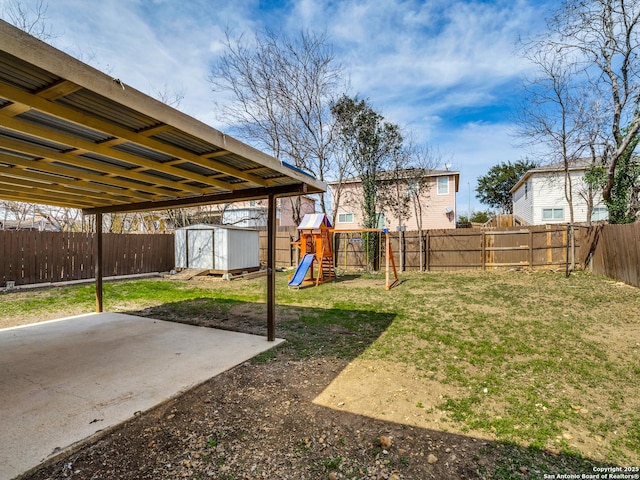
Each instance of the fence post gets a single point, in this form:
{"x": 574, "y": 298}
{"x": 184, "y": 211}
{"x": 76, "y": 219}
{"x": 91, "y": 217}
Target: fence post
{"x": 483, "y": 243}
{"x": 380, "y": 255}
{"x": 291, "y": 247}
{"x": 566, "y": 253}
{"x": 530, "y": 249}
{"x": 401, "y": 248}
{"x": 428, "y": 250}
{"x": 387, "y": 249}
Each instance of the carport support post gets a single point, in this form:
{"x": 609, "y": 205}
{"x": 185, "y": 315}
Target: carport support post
{"x": 271, "y": 269}
{"x": 98, "y": 262}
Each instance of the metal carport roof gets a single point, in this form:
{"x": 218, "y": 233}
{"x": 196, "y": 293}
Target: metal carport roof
{"x": 72, "y": 136}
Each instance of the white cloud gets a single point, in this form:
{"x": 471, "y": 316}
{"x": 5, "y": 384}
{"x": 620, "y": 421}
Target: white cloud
{"x": 306, "y": 13}
{"x": 160, "y": 46}
{"x": 403, "y": 44}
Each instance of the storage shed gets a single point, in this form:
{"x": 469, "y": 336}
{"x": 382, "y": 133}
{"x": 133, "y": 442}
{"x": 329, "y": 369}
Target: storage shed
{"x": 217, "y": 248}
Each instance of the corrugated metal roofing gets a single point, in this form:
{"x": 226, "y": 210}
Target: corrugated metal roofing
{"x": 48, "y": 121}
{"x": 183, "y": 140}
{"x": 66, "y": 128}
{"x": 24, "y": 75}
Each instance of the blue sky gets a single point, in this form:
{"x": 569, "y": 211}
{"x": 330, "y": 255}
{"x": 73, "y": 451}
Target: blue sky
{"x": 445, "y": 69}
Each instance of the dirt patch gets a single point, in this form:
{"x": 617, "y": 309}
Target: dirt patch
{"x": 270, "y": 421}
{"x": 388, "y": 391}
{"x": 264, "y": 421}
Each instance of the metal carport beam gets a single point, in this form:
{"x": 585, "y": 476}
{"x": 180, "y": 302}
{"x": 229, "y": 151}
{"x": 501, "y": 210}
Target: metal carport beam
{"x": 237, "y": 196}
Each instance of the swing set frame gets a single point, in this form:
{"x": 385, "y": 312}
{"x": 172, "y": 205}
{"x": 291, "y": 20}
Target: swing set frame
{"x": 390, "y": 263}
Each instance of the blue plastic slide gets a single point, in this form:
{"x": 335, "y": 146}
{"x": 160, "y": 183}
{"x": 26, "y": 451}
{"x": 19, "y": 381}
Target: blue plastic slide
{"x": 301, "y": 271}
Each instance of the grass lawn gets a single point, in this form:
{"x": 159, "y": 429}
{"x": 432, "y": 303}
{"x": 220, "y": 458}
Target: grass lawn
{"x": 527, "y": 359}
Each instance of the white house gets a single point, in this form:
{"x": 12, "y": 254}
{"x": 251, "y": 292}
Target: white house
{"x": 539, "y": 196}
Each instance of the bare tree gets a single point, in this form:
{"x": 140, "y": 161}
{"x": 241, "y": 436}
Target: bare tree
{"x": 20, "y": 215}
{"x": 17, "y": 214}
{"x": 173, "y": 98}
{"x": 30, "y": 17}
{"x": 29, "y": 215}
{"x": 423, "y": 159}
{"x": 596, "y": 141}
{"x": 282, "y": 89}
{"x": 601, "y": 39}
{"x": 393, "y": 193}
{"x": 58, "y": 218}
{"x": 554, "y": 116}
{"x": 178, "y": 217}
{"x": 392, "y": 189}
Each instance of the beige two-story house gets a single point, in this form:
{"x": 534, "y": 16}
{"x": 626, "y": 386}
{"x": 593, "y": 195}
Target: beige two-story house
{"x": 433, "y": 190}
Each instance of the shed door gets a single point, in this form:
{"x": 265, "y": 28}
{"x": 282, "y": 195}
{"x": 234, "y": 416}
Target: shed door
{"x": 200, "y": 249}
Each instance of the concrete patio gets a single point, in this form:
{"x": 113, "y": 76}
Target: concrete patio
{"x": 63, "y": 381}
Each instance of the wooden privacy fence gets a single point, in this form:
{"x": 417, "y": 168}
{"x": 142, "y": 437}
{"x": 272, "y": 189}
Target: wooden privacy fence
{"x": 513, "y": 247}
{"x": 31, "y": 257}
{"x": 535, "y": 246}
{"x": 614, "y": 251}
{"x": 286, "y": 254}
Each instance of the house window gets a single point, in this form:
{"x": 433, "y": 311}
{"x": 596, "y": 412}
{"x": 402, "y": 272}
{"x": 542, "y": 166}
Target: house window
{"x": 345, "y": 218}
{"x": 599, "y": 213}
{"x": 526, "y": 190}
{"x": 553, "y": 214}
{"x": 443, "y": 185}
{"x": 381, "y": 219}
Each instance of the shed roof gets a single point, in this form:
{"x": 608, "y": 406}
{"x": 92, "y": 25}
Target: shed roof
{"x": 209, "y": 227}
{"x": 73, "y": 136}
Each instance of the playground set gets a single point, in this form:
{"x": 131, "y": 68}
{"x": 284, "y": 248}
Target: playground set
{"x": 315, "y": 243}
